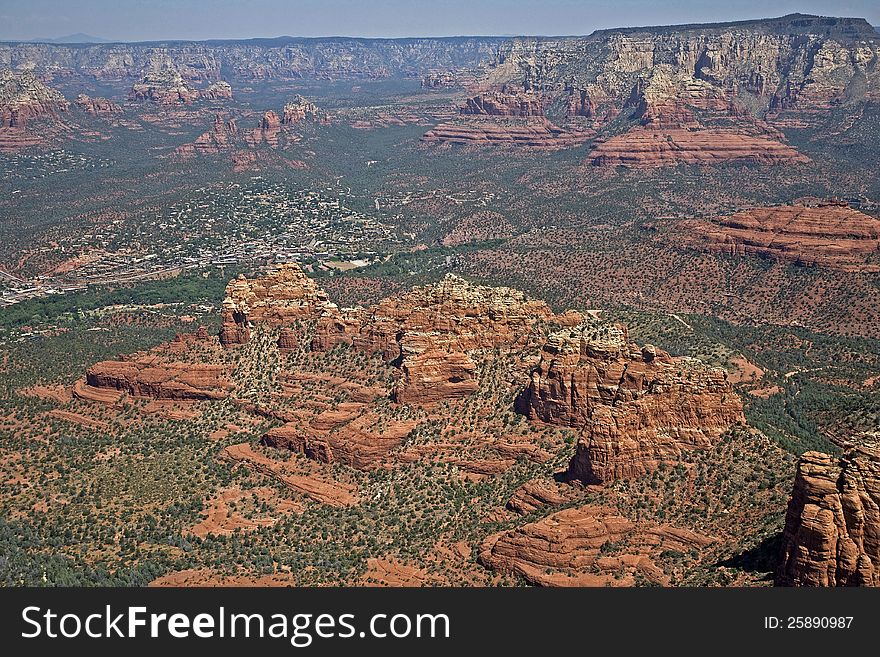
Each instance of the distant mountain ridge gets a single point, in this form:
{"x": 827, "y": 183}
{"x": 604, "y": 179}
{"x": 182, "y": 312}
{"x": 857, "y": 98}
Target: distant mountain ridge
{"x": 79, "y": 37}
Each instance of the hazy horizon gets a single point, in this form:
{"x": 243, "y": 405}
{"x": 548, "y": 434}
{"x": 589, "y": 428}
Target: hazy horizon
{"x": 200, "y": 20}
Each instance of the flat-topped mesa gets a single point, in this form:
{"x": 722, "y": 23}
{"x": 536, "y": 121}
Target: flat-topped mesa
{"x": 832, "y": 527}
{"x": 452, "y": 315}
{"x": 831, "y": 235}
{"x": 635, "y": 406}
{"x": 280, "y": 297}
{"x": 146, "y": 375}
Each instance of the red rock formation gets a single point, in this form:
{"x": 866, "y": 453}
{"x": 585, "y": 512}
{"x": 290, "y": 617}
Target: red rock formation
{"x": 535, "y": 133}
{"x": 151, "y": 376}
{"x": 280, "y": 297}
{"x": 505, "y": 102}
{"x": 645, "y": 147}
{"x": 828, "y": 235}
{"x": 23, "y": 100}
{"x": 832, "y": 527}
{"x": 288, "y": 340}
{"x": 533, "y": 495}
{"x": 566, "y": 549}
{"x": 432, "y": 376}
{"x": 348, "y": 436}
{"x": 218, "y": 91}
{"x": 165, "y": 87}
{"x": 97, "y": 106}
{"x": 636, "y": 407}
{"x": 200, "y": 335}
{"x": 221, "y": 137}
{"x": 267, "y": 132}
{"x": 452, "y": 315}
{"x": 298, "y": 110}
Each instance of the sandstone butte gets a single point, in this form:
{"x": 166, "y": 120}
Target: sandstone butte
{"x": 832, "y": 527}
{"x": 25, "y": 100}
{"x": 635, "y": 407}
{"x": 830, "y": 235}
{"x": 221, "y": 137}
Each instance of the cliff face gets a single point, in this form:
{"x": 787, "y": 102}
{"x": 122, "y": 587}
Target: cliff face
{"x": 150, "y": 376}
{"x": 700, "y": 94}
{"x": 282, "y": 58}
{"x": 832, "y": 527}
{"x": 636, "y": 407}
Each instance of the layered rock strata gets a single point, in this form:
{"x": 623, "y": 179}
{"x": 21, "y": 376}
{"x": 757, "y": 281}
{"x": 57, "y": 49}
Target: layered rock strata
{"x": 829, "y": 235}
{"x": 636, "y": 407}
{"x": 832, "y": 527}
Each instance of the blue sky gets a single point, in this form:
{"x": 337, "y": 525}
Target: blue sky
{"x": 135, "y": 20}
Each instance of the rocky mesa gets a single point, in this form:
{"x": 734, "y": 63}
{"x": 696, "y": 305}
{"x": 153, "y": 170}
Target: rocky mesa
{"x": 831, "y": 235}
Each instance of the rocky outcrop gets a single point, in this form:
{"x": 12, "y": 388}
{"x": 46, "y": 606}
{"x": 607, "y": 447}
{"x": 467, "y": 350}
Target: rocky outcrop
{"x": 297, "y": 110}
{"x": 267, "y": 132}
{"x": 452, "y": 315}
{"x": 832, "y": 527}
{"x": 808, "y": 64}
{"x": 164, "y": 87}
{"x": 439, "y": 80}
{"x": 348, "y": 435}
{"x": 97, "y": 106}
{"x": 533, "y": 495}
{"x": 585, "y": 546}
{"x": 217, "y": 91}
{"x": 636, "y": 407}
{"x": 23, "y": 97}
{"x": 281, "y": 297}
{"x": 154, "y": 377}
{"x": 221, "y": 137}
{"x": 535, "y": 134}
{"x": 433, "y": 375}
{"x": 288, "y": 340}
{"x": 829, "y": 235}
{"x": 505, "y": 102}
{"x": 29, "y": 111}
